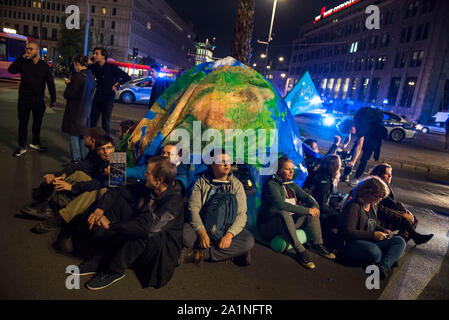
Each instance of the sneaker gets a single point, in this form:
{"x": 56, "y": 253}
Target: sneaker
{"x": 38, "y": 147}
{"x": 244, "y": 259}
{"x": 87, "y": 267}
{"x": 322, "y": 251}
{"x": 48, "y": 225}
{"x": 304, "y": 259}
{"x": 353, "y": 182}
{"x": 38, "y": 210}
{"x": 19, "y": 151}
{"x": 345, "y": 178}
{"x": 103, "y": 280}
{"x": 422, "y": 238}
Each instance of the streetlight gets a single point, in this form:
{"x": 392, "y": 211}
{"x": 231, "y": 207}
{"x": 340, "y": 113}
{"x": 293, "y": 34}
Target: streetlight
{"x": 86, "y": 35}
{"x": 263, "y": 55}
{"x": 281, "y": 59}
{"x": 271, "y": 29}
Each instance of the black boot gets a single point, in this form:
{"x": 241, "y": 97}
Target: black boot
{"x": 421, "y": 238}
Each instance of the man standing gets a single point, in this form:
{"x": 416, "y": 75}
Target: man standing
{"x": 34, "y": 73}
{"x": 108, "y": 77}
{"x": 159, "y": 84}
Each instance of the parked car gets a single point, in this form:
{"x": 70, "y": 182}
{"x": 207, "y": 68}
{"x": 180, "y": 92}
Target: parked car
{"x": 398, "y": 128}
{"x": 136, "y": 91}
{"x": 433, "y": 127}
{"x": 436, "y": 125}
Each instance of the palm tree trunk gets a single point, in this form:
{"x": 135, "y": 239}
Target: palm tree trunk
{"x": 241, "y": 44}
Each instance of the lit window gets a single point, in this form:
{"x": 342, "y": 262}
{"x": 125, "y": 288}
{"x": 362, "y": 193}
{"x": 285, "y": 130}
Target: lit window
{"x": 34, "y": 4}
{"x": 148, "y": 25}
{"x": 103, "y": 10}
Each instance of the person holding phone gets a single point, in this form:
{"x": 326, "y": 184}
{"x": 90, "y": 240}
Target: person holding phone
{"x": 78, "y": 93}
{"x": 108, "y": 77}
{"x": 34, "y": 75}
{"x": 367, "y": 242}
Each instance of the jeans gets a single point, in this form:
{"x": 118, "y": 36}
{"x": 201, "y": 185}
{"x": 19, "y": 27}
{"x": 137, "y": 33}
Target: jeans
{"x": 103, "y": 106}
{"x": 383, "y": 253}
{"x": 368, "y": 150}
{"x": 36, "y": 105}
{"x": 78, "y": 149}
{"x": 286, "y": 225}
{"x": 241, "y": 243}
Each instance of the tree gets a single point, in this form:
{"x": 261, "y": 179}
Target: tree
{"x": 71, "y": 41}
{"x": 243, "y": 29}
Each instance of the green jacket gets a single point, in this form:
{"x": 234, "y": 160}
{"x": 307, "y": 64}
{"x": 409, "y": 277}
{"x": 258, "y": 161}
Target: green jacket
{"x": 273, "y": 199}
{"x": 199, "y": 197}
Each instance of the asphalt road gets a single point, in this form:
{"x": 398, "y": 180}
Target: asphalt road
{"x": 32, "y": 269}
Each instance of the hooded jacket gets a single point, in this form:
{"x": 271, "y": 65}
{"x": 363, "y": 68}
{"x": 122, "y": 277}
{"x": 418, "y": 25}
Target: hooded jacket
{"x": 199, "y": 196}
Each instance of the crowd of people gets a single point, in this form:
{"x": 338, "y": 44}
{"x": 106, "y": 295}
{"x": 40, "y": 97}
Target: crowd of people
{"x": 163, "y": 217}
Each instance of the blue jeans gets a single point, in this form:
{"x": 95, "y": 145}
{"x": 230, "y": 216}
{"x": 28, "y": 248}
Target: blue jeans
{"x": 78, "y": 150}
{"x": 383, "y": 253}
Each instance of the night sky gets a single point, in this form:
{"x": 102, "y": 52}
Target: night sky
{"x": 217, "y": 18}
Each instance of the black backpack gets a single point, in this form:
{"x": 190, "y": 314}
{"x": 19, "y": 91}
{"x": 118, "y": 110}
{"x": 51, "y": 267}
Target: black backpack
{"x": 219, "y": 213}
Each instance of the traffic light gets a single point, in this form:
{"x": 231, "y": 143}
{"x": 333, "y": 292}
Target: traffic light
{"x": 135, "y": 53}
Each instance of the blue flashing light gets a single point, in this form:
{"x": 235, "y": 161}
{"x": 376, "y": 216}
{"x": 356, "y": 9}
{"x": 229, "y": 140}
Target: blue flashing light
{"x": 385, "y": 101}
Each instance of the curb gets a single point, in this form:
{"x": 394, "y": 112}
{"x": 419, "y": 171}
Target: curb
{"x": 413, "y": 166}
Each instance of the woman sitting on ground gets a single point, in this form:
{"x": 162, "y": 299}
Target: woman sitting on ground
{"x": 285, "y": 207}
{"x": 366, "y": 241}
{"x": 392, "y": 214}
{"x": 321, "y": 184}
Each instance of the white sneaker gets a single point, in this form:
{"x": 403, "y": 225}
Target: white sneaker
{"x": 19, "y": 151}
{"x": 353, "y": 182}
{"x": 38, "y": 147}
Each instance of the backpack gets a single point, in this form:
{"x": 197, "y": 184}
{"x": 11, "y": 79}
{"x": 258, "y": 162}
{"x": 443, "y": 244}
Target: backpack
{"x": 219, "y": 213}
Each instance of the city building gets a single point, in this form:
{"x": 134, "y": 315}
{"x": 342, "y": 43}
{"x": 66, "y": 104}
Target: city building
{"x": 151, "y": 26}
{"x": 403, "y": 66}
{"x": 204, "y": 51}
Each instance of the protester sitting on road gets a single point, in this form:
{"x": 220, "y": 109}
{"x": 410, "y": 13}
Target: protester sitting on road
{"x": 366, "y": 241}
{"x": 78, "y": 93}
{"x": 392, "y": 214}
{"x": 218, "y": 196}
{"x": 312, "y": 157}
{"x": 285, "y": 207}
{"x": 139, "y": 223}
{"x": 39, "y": 208}
{"x": 321, "y": 184}
{"x": 169, "y": 150}
{"x": 70, "y": 192}
{"x": 125, "y": 130}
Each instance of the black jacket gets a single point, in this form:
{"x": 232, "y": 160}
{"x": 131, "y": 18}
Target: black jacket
{"x": 78, "y": 94}
{"x": 33, "y": 78}
{"x": 159, "y": 221}
{"x": 106, "y": 76}
{"x": 355, "y": 222}
{"x": 158, "y": 88}
{"x": 321, "y": 188}
{"x": 94, "y": 167}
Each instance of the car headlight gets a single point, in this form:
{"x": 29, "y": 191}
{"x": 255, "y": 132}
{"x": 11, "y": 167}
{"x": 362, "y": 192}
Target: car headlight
{"x": 328, "y": 121}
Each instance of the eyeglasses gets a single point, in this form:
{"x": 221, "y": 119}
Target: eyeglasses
{"x": 103, "y": 149}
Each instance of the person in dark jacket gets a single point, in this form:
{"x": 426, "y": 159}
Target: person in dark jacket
{"x": 140, "y": 223}
{"x": 34, "y": 75}
{"x": 392, "y": 214}
{"x": 284, "y": 208}
{"x": 108, "y": 78}
{"x": 69, "y": 191}
{"x": 78, "y": 93}
{"x": 367, "y": 242}
{"x": 312, "y": 158}
{"x": 321, "y": 184}
{"x": 159, "y": 85}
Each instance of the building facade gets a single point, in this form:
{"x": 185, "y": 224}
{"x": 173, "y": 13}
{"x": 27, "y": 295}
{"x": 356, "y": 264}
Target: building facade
{"x": 403, "y": 66}
{"x": 151, "y": 26}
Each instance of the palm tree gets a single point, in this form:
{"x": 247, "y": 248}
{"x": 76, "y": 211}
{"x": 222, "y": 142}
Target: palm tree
{"x": 241, "y": 44}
